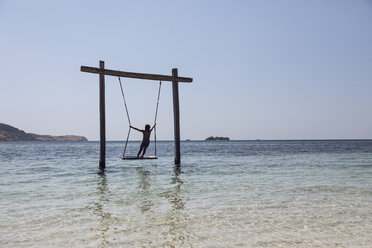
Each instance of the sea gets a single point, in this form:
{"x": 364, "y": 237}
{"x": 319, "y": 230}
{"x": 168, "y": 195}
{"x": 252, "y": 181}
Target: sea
{"x": 260, "y": 193}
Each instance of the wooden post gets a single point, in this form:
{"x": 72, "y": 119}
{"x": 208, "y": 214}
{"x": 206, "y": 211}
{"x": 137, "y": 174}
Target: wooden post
{"x": 102, "y": 119}
{"x": 176, "y": 117}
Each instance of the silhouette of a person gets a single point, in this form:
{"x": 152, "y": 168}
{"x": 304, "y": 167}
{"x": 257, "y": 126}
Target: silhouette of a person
{"x": 145, "y": 140}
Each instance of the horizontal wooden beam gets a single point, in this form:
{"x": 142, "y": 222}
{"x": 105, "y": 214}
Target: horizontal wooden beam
{"x": 157, "y": 77}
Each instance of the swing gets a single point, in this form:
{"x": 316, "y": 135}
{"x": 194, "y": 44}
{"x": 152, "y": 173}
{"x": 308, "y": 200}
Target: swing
{"x": 124, "y": 157}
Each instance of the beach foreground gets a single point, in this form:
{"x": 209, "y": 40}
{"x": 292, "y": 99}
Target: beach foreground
{"x": 226, "y": 194}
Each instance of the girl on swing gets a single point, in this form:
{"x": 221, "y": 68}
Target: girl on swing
{"x": 145, "y": 140}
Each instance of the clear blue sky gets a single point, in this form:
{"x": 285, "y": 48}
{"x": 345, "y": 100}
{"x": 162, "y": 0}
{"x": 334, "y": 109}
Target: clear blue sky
{"x": 262, "y": 69}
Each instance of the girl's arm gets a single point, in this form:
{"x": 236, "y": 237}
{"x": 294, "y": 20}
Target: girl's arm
{"x": 152, "y": 127}
{"x": 136, "y": 129}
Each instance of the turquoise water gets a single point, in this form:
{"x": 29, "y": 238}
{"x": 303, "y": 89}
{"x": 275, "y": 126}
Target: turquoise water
{"x": 226, "y": 194}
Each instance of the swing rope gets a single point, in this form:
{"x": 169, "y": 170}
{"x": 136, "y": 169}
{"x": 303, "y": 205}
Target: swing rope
{"x": 126, "y": 109}
{"x": 125, "y": 103}
{"x": 129, "y": 122}
{"x": 156, "y": 115}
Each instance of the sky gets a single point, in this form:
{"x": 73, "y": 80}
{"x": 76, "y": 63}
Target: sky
{"x": 280, "y": 69}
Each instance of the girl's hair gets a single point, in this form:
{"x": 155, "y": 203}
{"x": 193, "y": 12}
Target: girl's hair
{"x": 147, "y": 127}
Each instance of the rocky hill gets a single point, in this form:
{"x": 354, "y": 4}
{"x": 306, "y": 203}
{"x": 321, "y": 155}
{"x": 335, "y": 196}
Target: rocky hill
{"x": 9, "y": 133}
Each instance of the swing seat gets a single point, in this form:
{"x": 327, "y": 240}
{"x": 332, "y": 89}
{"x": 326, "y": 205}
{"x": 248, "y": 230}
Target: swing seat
{"x": 135, "y": 157}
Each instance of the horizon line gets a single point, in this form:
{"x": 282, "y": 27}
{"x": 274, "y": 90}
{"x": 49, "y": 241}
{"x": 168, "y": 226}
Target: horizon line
{"x": 190, "y": 140}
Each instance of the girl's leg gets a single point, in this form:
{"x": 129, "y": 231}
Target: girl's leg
{"x": 140, "y": 150}
{"x": 144, "y": 151}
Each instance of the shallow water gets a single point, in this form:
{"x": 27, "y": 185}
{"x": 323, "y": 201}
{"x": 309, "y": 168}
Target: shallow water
{"x": 226, "y": 194}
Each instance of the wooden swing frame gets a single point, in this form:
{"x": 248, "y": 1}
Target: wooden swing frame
{"x": 175, "y": 79}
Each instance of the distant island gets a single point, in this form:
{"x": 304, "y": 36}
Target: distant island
{"x": 217, "y": 138}
{"x": 9, "y": 133}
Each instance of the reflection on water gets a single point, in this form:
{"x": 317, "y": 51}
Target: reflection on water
{"x": 126, "y": 214}
{"x": 176, "y": 201}
{"x": 176, "y": 233}
{"x": 98, "y": 209}
{"x": 144, "y": 189}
